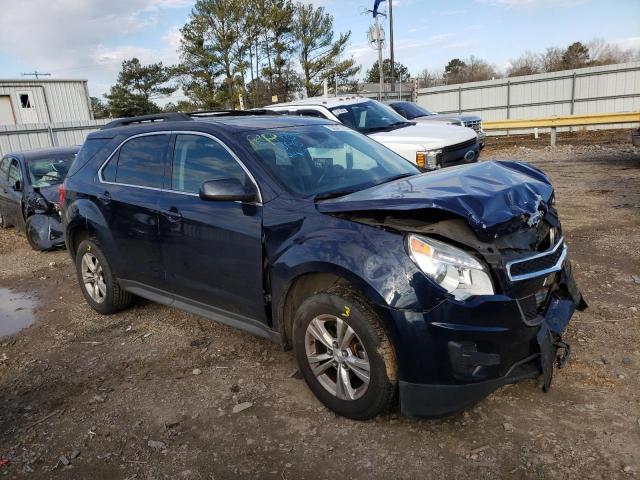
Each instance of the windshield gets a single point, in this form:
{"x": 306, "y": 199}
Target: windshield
{"x": 325, "y": 160}
{"x": 412, "y": 110}
{"x": 48, "y": 171}
{"x": 369, "y": 116}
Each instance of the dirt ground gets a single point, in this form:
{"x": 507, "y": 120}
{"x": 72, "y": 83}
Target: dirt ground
{"x": 150, "y": 393}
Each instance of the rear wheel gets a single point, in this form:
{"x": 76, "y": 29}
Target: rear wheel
{"x": 344, "y": 354}
{"x": 3, "y": 222}
{"x": 98, "y": 283}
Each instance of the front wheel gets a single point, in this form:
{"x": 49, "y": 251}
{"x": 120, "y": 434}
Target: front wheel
{"x": 344, "y": 354}
{"x": 98, "y": 283}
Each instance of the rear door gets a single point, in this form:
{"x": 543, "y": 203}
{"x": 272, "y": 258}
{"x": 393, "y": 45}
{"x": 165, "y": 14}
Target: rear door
{"x": 212, "y": 250}
{"x": 131, "y": 184}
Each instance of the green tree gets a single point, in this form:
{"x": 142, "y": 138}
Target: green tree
{"x": 401, "y": 71}
{"x": 454, "y": 71}
{"x": 318, "y": 53}
{"x": 214, "y": 44}
{"x": 137, "y": 87}
{"x": 99, "y": 108}
{"x": 575, "y": 56}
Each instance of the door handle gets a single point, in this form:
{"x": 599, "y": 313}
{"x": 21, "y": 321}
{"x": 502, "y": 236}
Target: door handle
{"x": 105, "y": 197}
{"x": 172, "y": 214}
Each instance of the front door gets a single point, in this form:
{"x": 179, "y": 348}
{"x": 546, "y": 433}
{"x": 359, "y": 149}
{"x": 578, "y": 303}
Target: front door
{"x": 212, "y": 249}
{"x": 130, "y": 187}
{"x": 14, "y": 189}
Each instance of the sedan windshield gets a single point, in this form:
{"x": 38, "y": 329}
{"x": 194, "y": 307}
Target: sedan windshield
{"x": 48, "y": 171}
{"x": 369, "y": 117}
{"x": 412, "y": 110}
{"x": 325, "y": 160}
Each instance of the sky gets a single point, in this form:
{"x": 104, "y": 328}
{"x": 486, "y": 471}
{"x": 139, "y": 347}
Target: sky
{"x": 89, "y": 39}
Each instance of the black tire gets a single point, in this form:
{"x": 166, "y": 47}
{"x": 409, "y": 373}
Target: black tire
{"x": 114, "y": 298}
{"x": 3, "y": 221}
{"x": 349, "y": 306}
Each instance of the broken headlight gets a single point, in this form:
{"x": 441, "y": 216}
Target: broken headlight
{"x": 453, "y": 269}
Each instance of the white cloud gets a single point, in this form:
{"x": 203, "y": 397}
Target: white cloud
{"x": 631, "y": 43}
{"x": 76, "y": 38}
{"x": 532, "y": 3}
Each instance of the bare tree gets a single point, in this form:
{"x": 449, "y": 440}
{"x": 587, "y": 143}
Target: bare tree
{"x": 528, "y": 63}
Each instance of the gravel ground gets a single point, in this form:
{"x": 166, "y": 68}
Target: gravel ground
{"x": 154, "y": 393}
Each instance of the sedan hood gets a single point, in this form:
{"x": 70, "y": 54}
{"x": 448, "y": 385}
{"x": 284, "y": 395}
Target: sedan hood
{"x": 51, "y": 194}
{"x": 427, "y": 135}
{"x": 496, "y": 198}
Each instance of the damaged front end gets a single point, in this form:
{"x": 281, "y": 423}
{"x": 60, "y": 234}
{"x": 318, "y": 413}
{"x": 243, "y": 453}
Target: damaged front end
{"x": 44, "y": 228}
{"x": 464, "y": 347}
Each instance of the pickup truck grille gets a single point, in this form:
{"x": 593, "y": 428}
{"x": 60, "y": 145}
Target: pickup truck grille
{"x": 475, "y": 124}
{"x": 460, "y": 146}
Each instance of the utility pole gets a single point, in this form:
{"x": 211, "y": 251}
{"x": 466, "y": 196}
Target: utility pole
{"x": 393, "y": 63}
{"x": 36, "y": 74}
{"x": 379, "y": 40}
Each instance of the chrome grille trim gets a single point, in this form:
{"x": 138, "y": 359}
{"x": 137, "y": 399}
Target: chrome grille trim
{"x": 538, "y": 273}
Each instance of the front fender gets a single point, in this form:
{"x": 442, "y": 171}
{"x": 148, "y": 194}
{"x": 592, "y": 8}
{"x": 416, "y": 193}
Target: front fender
{"x": 372, "y": 259}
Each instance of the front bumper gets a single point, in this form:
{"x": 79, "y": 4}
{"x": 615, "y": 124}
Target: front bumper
{"x": 460, "y": 352}
{"x": 481, "y": 138}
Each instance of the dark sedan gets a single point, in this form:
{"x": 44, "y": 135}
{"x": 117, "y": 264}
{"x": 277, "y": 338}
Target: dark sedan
{"x": 29, "y": 184}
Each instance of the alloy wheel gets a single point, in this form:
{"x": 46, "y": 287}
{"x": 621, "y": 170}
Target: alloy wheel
{"x": 337, "y": 357}
{"x": 93, "y": 278}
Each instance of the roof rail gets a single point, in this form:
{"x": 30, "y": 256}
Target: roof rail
{"x": 231, "y": 113}
{"x": 156, "y": 117}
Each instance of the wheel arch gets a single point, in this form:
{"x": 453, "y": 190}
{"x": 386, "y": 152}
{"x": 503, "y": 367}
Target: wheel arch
{"x": 313, "y": 279}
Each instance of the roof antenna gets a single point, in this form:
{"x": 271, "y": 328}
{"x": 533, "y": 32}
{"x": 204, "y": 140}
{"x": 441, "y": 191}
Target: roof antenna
{"x": 36, "y": 74}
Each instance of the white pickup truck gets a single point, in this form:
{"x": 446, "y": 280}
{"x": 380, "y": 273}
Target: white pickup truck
{"x": 430, "y": 146}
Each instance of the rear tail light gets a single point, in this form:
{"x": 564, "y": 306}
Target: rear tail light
{"x": 61, "y": 193}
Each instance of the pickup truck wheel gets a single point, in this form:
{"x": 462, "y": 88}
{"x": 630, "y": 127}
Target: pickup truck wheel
{"x": 344, "y": 354}
{"x": 97, "y": 282}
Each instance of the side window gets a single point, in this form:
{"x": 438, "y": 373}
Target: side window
{"x": 197, "y": 158}
{"x": 4, "y": 169}
{"x": 14, "y": 172}
{"x": 140, "y": 162}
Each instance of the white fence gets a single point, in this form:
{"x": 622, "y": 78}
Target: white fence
{"x": 608, "y": 89}
{"x": 17, "y": 138}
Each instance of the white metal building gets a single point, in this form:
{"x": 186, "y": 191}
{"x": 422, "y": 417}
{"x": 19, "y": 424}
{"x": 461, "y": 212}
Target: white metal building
{"x": 43, "y": 101}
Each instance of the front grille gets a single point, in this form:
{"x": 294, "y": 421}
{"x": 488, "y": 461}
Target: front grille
{"x": 460, "y": 146}
{"x": 475, "y": 124}
{"x": 538, "y": 264}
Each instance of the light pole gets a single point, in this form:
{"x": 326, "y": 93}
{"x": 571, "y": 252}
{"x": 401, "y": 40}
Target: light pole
{"x": 391, "y": 55}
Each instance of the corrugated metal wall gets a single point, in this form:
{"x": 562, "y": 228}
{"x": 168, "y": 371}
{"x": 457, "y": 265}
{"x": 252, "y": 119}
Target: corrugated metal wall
{"x": 608, "y": 89}
{"x": 53, "y": 100}
{"x": 17, "y": 138}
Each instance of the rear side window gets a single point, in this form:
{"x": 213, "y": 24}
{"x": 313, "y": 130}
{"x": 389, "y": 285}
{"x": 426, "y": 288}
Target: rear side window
{"x": 86, "y": 153}
{"x": 199, "y": 158}
{"x": 139, "y": 162}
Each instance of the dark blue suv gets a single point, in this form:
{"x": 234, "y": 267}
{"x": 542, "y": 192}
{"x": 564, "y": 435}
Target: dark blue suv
{"x": 439, "y": 287}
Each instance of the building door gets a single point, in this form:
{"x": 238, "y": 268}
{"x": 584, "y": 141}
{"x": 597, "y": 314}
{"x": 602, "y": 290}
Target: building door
{"x": 28, "y": 112}
{"x": 6, "y": 111}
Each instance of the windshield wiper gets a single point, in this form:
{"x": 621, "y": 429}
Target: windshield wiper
{"x": 335, "y": 193}
{"x": 398, "y": 177}
{"x": 388, "y": 128}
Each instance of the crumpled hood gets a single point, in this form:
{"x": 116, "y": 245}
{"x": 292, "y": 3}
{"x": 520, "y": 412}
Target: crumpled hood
{"x": 428, "y": 135}
{"x": 51, "y": 194}
{"x": 496, "y": 198}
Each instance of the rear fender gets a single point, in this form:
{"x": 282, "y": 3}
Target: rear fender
{"x": 84, "y": 215}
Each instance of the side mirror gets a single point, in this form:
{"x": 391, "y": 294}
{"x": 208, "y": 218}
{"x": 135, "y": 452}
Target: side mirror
{"x": 227, "y": 189}
{"x": 17, "y": 186}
